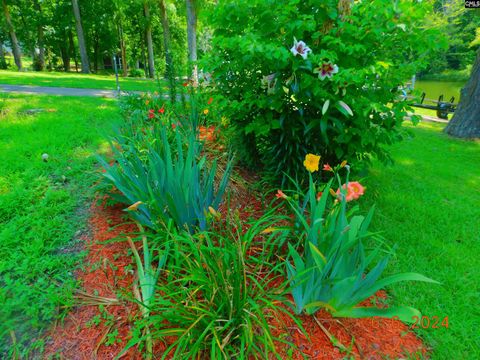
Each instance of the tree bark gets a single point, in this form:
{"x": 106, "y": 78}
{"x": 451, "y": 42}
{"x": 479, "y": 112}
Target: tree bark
{"x": 466, "y": 119}
{"x": 13, "y": 37}
{"x": 2, "y": 53}
{"x": 123, "y": 49}
{"x": 81, "y": 38}
{"x": 96, "y": 47}
{"x": 73, "y": 53}
{"x": 144, "y": 57}
{"x": 65, "y": 54}
{"x": 192, "y": 39}
{"x": 40, "y": 36}
{"x": 166, "y": 38}
{"x": 169, "y": 69}
{"x": 148, "y": 34}
{"x": 3, "y": 62}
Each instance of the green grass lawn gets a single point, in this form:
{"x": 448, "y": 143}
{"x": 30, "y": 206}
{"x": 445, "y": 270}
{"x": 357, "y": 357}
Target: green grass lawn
{"x": 429, "y": 204}
{"x": 75, "y": 80}
{"x": 43, "y": 205}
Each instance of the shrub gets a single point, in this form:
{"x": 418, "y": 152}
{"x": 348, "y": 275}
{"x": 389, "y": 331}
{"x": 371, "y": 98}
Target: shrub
{"x": 338, "y": 97}
{"x": 331, "y": 267}
{"x": 137, "y": 73}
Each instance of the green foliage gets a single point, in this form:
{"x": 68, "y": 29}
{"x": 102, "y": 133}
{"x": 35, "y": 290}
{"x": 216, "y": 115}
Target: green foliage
{"x": 148, "y": 272}
{"x": 277, "y": 102}
{"x": 216, "y": 299}
{"x": 172, "y": 183}
{"x": 43, "y": 214}
{"x": 459, "y": 26}
{"x": 136, "y": 73}
{"x": 335, "y": 271}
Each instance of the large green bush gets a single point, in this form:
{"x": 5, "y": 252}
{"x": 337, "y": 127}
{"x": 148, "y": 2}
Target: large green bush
{"x": 280, "y": 104}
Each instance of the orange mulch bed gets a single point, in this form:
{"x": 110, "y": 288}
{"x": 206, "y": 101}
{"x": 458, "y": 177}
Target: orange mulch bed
{"x": 107, "y": 272}
{"x": 369, "y": 338}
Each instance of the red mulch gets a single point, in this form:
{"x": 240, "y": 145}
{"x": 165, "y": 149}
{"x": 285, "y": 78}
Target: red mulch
{"x": 106, "y": 274}
{"x": 369, "y": 338}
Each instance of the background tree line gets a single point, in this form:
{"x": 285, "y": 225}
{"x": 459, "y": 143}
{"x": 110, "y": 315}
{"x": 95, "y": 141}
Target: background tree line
{"x": 148, "y": 36}
{"x": 461, "y": 27}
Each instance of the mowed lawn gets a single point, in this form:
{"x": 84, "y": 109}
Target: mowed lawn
{"x": 428, "y": 204}
{"x": 44, "y": 206}
{"x": 77, "y": 80}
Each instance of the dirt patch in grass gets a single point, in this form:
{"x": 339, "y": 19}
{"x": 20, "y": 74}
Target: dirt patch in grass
{"x": 102, "y": 332}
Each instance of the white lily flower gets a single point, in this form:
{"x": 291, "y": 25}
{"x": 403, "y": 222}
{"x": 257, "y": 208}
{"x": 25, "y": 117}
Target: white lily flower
{"x": 300, "y": 48}
{"x": 326, "y": 69}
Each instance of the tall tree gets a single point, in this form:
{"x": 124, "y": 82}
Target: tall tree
{"x": 192, "y": 38}
{"x": 119, "y": 17}
{"x": 13, "y": 37}
{"x": 123, "y": 48}
{"x": 81, "y": 38}
{"x": 73, "y": 53}
{"x": 3, "y": 63}
{"x": 466, "y": 120}
{"x": 40, "y": 36}
{"x": 148, "y": 34}
{"x": 166, "y": 39}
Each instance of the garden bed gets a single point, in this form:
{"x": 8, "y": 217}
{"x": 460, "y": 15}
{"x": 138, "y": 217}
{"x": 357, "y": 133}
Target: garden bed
{"x": 102, "y": 331}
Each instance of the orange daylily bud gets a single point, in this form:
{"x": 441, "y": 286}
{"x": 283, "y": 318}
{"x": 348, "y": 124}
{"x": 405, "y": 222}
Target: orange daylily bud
{"x": 134, "y": 207}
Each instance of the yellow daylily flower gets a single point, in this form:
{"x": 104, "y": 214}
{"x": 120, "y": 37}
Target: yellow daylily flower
{"x": 311, "y": 162}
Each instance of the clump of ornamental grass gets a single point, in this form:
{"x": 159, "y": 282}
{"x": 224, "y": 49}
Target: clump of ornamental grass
{"x": 216, "y": 301}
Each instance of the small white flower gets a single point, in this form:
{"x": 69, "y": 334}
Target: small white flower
{"x": 300, "y": 48}
{"x": 45, "y": 157}
{"x": 326, "y": 69}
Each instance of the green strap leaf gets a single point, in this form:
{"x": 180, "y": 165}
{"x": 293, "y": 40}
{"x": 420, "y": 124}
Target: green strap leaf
{"x": 403, "y": 313}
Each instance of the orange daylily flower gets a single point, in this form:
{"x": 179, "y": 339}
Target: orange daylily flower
{"x": 280, "y": 195}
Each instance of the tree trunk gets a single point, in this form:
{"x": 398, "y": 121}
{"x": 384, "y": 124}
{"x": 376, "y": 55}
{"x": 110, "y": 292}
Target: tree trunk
{"x": 40, "y": 37}
{"x": 166, "y": 37}
{"x": 81, "y": 38}
{"x": 73, "y": 53}
{"x": 144, "y": 57}
{"x": 148, "y": 33}
{"x": 2, "y": 53}
{"x": 65, "y": 56}
{"x": 13, "y": 37}
{"x": 96, "y": 47}
{"x": 3, "y": 62}
{"x": 466, "y": 120}
{"x": 123, "y": 49}
{"x": 192, "y": 39}
{"x": 169, "y": 70}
